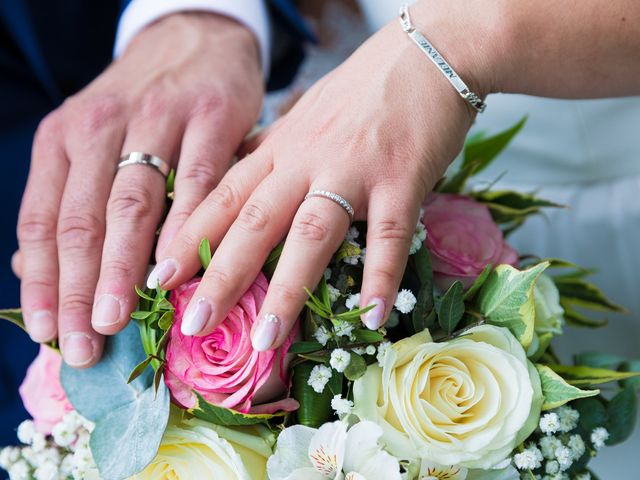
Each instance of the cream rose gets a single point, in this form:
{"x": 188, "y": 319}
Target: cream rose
{"x": 193, "y": 449}
{"x": 466, "y": 402}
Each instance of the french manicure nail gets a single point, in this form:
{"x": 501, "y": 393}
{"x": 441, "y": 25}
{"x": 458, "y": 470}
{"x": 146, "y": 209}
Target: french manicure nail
{"x": 77, "y": 349}
{"x": 162, "y": 273}
{"x": 42, "y": 327}
{"x": 196, "y": 317}
{"x": 106, "y": 311}
{"x": 374, "y": 318}
{"x": 265, "y": 332}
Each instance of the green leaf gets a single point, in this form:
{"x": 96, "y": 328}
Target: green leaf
{"x": 141, "y": 315}
{"x": 506, "y": 300}
{"x": 422, "y": 317}
{"x": 320, "y": 306}
{"x": 227, "y": 417}
{"x": 508, "y": 205}
{"x": 597, "y": 360}
{"x": 584, "y": 376}
{"x": 593, "y": 413}
{"x": 622, "y": 411}
{"x": 142, "y": 294}
{"x": 556, "y": 391}
{"x": 305, "y": 347}
{"x": 631, "y": 366}
{"x": 171, "y": 179}
{"x": 347, "y": 249}
{"x": 356, "y": 368}
{"x": 544, "y": 340}
{"x": 478, "y": 282}
{"x": 137, "y": 371}
{"x": 578, "y": 292}
{"x": 354, "y": 314}
{"x": 457, "y": 182}
{"x": 484, "y": 150}
{"x": 315, "y": 408}
{"x": 451, "y": 308}
{"x": 318, "y": 310}
{"x": 157, "y": 378}
{"x": 204, "y": 252}
{"x": 166, "y": 320}
{"x": 423, "y": 265}
{"x": 323, "y": 292}
{"x": 14, "y": 315}
{"x": 271, "y": 263}
{"x": 130, "y": 418}
{"x": 577, "y": 319}
{"x": 363, "y": 335}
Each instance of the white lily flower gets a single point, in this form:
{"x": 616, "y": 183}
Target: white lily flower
{"x": 332, "y": 452}
{"x": 433, "y": 471}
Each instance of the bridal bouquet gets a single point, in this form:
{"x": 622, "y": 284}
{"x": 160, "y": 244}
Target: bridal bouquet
{"x": 461, "y": 383}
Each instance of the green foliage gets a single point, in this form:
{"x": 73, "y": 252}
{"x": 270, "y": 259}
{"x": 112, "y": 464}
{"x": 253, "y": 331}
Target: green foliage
{"x": 507, "y": 206}
{"x": 130, "y": 417}
{"x": 622, "y": 412}
{"x": 423, "y": 314}
{"x": 204, "y": 252}
{"x": 484, "y": 150}
{"x": 227, "y": 417}
{"x": 271, "y": 263}
{"x": 315, "y": 408}
{"x": 577, "y": 292}
{"x": 631, "y": 366}
{"x": 451, "y": 308}
{"x": 14, "y": 315}
{"x": 583, "y": 376}
{"x": 356, "y": 368}
{"x": 478, "y": 283}
{"x": 506, "y": 300}
{"x": 597, "y": 360}
{"x": 347, "y": 249}
{"x": 593, "y": 412}
{"x": 556, "y": 391}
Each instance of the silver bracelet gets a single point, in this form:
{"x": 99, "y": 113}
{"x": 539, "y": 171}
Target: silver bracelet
{"x": 430, "y": 51}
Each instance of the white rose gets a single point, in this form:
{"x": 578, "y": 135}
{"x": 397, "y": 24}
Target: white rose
{"x": 466, "y": 402}
{"x": 194, "y": 449}
{"x": 549, "y": 312}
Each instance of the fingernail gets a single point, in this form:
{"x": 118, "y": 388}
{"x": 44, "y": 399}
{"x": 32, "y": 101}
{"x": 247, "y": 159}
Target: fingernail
{"x": 77, "y": 349}
{"x": 196, "y": 317}
{"x": 265, "y": 332}
{"x": 106, "y": 311}
{"x": 42, "y": 327}
{"x": 374, "y": 318}
{"x": 162, "y": 273}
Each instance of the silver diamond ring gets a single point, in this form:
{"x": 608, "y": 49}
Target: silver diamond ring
{"x": 141, "y": 158}
{"x": 334, "y": 197}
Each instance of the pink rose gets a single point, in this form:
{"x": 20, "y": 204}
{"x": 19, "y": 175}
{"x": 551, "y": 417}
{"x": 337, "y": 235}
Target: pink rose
{"x": 462, "y": 239}
{"x": 223, "y": 367}
{"x": 42, "y": 393}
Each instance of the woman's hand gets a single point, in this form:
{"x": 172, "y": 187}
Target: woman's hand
{"x": 379, "y": 131}
{"x": 187, "y": 89}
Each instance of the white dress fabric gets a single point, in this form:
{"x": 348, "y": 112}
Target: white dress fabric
{"x": 580, "y": 153}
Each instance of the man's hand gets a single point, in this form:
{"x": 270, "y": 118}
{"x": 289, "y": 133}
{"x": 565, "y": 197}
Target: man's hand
{"x": 188, "y": 89}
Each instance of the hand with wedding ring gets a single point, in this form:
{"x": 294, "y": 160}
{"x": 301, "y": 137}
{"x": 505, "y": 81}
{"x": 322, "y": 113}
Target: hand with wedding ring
{"x": 184, "y": 94}
{"x": 369, "y": 140}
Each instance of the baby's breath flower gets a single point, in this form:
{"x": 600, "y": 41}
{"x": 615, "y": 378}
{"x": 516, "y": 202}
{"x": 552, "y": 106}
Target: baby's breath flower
{"x": 568, "y": 418}
{"x": 564, "y": 457}
{"x": 576, "y": 445}
{"x": 548, "y": 446}
{"x": 342, "y": 406}
{"x": 552, "y": 467}
{"x": 598, "y": 437}
{"x": 352, "y": 235}
{"x": 20, "y": 471}
{"x": 38, "y": 442}
{"x": 319, "y": 377}
{"x": 46, "y": 471}
{"x": 9, "y": 456}
{"x": 528, "y": 459}
{"x": 353, "y": 301}
{"x": 418, "y": 239}
{"x": 322, "y": 335}
{"x": 359, "y": 350}
{"x": 363, "y": 255}
{"x": 343, "y": 329}
{"x": 382, "y": 352}
{"x": 370, "y": 350}
{"x": 405, "y": 301}
{"x": 334, "y": 293}
{"x": 26, "y": 431}
{"x": 549, "y": 423}
{"x": 340, "y": 359}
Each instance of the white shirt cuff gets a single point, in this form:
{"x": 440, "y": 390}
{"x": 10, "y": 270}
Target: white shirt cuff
{"x": 140, "y": 13}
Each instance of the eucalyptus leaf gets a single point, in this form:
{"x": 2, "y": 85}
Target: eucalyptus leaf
{"x": 451, "y": 308}
{"x": 506, "y": 300}
{"x": 557, "y": 391}
{"x": 227, "y": 417}
{"x": 623, "y": 412}
{"x": 356, "y": 368}
{"x": 631, "y": 366}
{"x": 593, "y": 413}
{"x": 204, "y": 252}
{"x": 130, "y": 418}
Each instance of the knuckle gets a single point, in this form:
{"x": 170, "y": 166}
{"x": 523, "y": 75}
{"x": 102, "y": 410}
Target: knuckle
{"x": 215, "y": 102}
{"x": 97, "y": 112}
{"x": 254, "y": 217}
{"x": 217, "y": 277}
{"x": 391, "y": 230}
{"x": 286, "y": 294}
{"x": 82, "y": 231}
{"x": 118, "y": 269}
{"x": 48, "y": 129}
{"x": 201, "y": 174}
{"x": 132, "y": 202}
{"x": 311, "y": 227}
{"x": 154, "y": 103}
{"x": 76, "y": 303}
{"x": 36, "y": 228}
{"x": 38, "y": 283}
{"x": 224, "y": 196}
